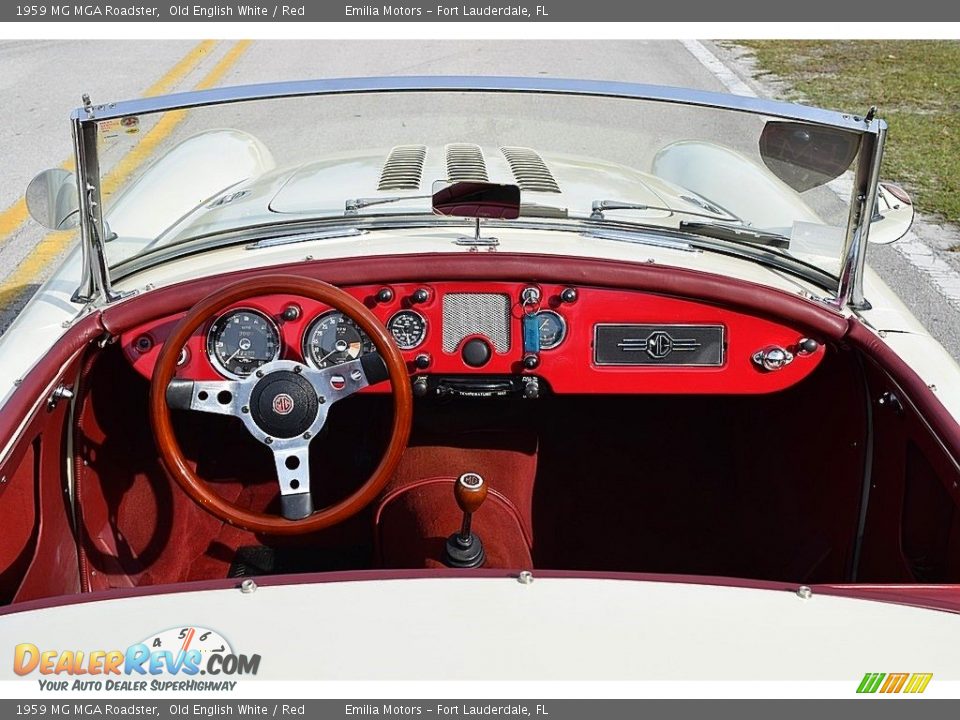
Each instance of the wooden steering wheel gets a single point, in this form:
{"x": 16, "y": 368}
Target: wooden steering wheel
{"x": 283, "y": 405}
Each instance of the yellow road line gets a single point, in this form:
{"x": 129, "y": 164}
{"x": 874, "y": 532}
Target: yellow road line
{"x": 53, "y": 244}
{"x": 15, "y": 215}
{"x": 121, "y": 172}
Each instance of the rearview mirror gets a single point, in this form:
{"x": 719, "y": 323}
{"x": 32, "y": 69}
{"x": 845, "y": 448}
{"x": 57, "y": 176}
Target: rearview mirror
{"x": 478, "y": 200}
{"x": 806, "y": 156}
{"x": 892, "y": 214}
{"x": 52, "y": 199}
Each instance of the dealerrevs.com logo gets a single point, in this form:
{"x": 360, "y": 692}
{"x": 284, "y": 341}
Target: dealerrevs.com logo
{"x": 169, "y": 660}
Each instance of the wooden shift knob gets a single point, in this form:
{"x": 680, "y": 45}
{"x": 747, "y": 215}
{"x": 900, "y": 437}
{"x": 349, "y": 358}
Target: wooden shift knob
{"x": 470, "y": 491}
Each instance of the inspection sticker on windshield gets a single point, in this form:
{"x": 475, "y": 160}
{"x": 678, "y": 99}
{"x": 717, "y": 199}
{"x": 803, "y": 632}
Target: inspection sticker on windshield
{"x": 110, "y": 129}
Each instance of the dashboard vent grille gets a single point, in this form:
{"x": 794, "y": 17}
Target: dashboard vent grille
{"x": 466, "y": 314}
{"x": 465, "y": 162}
{"x": 403, "y": 168}
{"x": 529, "y": 169}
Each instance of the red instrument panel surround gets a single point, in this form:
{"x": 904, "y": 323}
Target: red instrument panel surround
{"x": 567, "y": 368}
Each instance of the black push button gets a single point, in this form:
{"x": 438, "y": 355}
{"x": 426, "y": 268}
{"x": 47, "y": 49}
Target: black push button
{"x": 476, "y": 352}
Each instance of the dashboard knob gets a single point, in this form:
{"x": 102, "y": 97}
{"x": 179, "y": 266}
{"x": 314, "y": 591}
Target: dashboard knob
{"x": 420, "y": 387}
{"x": 569, "y": 295}
{"x": 420, "y": 295}
{"x": 385, "y": 295}
{"x": 808, "y": 346}
{"x": 291, "y": 313}
{"x": 422, "y": 361}
{"x": 476, "y": 352}
{"x": 531, "y": 361}
{"x": 531, "y": 388}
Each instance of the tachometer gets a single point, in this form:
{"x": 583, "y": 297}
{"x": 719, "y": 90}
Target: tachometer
{"x": 240, "y": 341}
{"x": 408, "y": 328}
{"x": 332, "y": 339}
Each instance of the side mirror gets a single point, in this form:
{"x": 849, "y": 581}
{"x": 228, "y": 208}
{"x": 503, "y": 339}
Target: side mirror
{"x": 892, "y": 214}
{"x": 805, "y": 156}
{"x": 478, "y": 200}
{"x": 52, "y": 199}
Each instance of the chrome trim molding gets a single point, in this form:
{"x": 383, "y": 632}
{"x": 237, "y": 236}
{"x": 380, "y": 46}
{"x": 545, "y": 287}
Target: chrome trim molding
{"x": 466, "y": 83}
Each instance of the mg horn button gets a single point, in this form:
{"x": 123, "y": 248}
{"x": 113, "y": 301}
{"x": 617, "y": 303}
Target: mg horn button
{"x": 283, "y": 404}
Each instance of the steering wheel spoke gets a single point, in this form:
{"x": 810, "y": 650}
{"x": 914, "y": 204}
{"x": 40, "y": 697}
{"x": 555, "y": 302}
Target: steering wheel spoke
{"x": 293, "y": 472}
{"x": 220, "y": 397}
{"x": 343, "y": 380}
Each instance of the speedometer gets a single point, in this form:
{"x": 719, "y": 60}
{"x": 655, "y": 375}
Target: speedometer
{"x": 332, "y": 339}
{"x": 240, "y": 341}
{"x": 408, "y": 328}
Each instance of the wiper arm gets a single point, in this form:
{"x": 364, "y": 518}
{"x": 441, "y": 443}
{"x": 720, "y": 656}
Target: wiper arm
{"x": 737, "y": 233}
{"x": 352, "y": 206}
{"x": 599, "y": 206}
{"x": 734, "y": 232}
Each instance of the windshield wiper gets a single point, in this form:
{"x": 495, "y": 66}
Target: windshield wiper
{"x": 737, "y": 233}
{"x": 734, "y": 232}
{"x": 598, "y": 207}
{"x": 351, "y": 207}
{"x": 354, "y": 205}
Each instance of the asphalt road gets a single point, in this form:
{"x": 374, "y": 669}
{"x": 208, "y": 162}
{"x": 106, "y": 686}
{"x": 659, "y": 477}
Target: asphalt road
{"x": 43, "y": 81}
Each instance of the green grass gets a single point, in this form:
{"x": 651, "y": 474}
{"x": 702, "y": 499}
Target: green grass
{"x": 915, "y": 84}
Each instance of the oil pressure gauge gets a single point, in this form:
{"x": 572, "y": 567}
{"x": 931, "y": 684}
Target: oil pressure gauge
{"x": 409, "y": 329}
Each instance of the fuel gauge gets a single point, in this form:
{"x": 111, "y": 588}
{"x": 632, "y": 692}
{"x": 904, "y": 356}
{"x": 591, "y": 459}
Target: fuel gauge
{"x": 552, "y": 329}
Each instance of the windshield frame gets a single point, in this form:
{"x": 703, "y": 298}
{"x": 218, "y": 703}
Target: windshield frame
{"x": 96, "y": 281}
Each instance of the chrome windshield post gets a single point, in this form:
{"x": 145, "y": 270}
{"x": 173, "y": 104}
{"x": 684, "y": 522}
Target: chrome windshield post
{"x": 850, "y": 291}
{"x": 95, "y": 280}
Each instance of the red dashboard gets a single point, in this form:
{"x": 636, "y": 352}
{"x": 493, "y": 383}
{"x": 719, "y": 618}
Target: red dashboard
{"x": 591, "y": 340}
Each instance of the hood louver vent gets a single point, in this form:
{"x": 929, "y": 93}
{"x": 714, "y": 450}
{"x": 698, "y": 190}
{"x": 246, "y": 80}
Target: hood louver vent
{"x": 529, "y": 170}
{"x": 465, "y": 162}
{"x": 403, "y": 168}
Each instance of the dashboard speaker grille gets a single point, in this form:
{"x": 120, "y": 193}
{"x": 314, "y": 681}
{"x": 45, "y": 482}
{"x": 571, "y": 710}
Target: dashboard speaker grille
{"x": 466, "y": 314}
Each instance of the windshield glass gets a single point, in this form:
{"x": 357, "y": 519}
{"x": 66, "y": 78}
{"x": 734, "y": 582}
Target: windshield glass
{"x": 732, "y": 176}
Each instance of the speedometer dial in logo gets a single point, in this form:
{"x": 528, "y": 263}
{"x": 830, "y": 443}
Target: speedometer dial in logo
{"x": 183, "y": 639}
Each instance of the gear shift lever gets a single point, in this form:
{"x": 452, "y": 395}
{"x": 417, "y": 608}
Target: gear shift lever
{"x": 464, "y": 549}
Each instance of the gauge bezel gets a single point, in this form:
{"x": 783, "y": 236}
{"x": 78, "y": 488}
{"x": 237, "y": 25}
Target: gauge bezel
{"x": 305, "y": 340}
{"x": 212, "y": 354}
{"x": 408, "y": 311}
{"x": 563, "y": 328}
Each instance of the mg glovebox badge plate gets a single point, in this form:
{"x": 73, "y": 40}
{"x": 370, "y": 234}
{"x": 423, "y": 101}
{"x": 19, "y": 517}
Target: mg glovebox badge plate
{"x": 662, "y": 345}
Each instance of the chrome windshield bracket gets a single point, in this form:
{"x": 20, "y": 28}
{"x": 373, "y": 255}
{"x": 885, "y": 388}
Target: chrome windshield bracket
{"x": 95, "y": 279}
{"x": 850, "y": 292}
